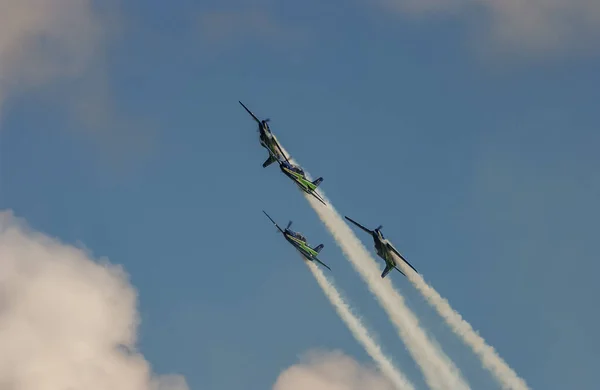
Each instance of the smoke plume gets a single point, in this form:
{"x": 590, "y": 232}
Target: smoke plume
{"x": 41, "y": 41}
{"x": 439, "y": 371}
{"x": 359, "y": 331}
{"x": 490, "y": 359}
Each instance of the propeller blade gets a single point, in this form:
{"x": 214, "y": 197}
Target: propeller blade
{"x": 379, "y": 228}
{"x": 289, "y": 224}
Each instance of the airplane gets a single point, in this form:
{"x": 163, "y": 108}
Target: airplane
{"x": 299, "y": 242}
{"x": 296, "y": 173}
{"x": 267, "y": 139}
{"x": 384, "y": 249}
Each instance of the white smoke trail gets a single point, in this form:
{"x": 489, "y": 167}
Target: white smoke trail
{"x": 490, "y": 359}
{"x": 360, "y": 333}
{"x": 439, "y": 371}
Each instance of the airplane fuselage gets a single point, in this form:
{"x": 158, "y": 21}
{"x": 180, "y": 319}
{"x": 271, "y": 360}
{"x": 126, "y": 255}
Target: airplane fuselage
{"x": 267, "y": 141}
{"x": 299, "y": 179}
{"x": 301, "y": 246}
{"x": 382, "y": 248}
{"x": 299, "y": 242}
{"x": 265, "y": 136}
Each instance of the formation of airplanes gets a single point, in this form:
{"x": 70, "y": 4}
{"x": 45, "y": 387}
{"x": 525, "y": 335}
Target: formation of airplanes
{"x": 293, "y": 171}
{"x": 383, "y": 246}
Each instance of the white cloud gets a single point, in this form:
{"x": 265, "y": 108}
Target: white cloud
{"x": 330, "y": 371}
{"x": 530, "y": 26}
{"x": 67, "y": 321}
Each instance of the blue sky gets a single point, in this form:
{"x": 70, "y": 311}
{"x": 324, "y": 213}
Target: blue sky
{"x": 477, "y": 152}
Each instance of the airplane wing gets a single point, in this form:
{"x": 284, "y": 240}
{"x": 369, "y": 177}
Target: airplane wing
{"x": 399, "y": 270}
{"x": 359, "y": 225}
{"x": 402, "y": 257}
{"x": 273, "y": 222}
{"x": 316, "y": 195}
{"x": 323, "y": 264}
{"x": 250, "y": 112}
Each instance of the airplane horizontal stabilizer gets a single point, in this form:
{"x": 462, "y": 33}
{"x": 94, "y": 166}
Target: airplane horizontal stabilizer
{"x": 323, "y": 264}
{"x": 387, "y": 269}
{"x": 269, "y": 161}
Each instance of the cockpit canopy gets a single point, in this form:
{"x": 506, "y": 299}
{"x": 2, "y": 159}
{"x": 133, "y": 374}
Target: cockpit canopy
{"x": 296, "y": 169}
{"x": 299, "y": 236}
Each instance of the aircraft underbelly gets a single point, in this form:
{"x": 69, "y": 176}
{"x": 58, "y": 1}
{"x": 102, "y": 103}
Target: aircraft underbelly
{"x": 385, "y": 255}
{"x": 304, "y": 253}
{"x": 390, "y": 258}
{"x": 379, "y": 249}
{"x": 298, "y": 182}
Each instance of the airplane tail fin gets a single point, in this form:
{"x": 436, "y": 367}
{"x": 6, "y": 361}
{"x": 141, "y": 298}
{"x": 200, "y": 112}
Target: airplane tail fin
{"x": 318, "y": 248}
{"x": 269, "y": 161}
{"x": 317, "y": 181}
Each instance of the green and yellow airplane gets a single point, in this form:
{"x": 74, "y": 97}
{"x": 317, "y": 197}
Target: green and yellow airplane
{"x": 296, "y": 173}
{"x": 299, "y": 242}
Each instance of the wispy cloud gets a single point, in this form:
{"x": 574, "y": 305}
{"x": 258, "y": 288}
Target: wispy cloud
{"x": 68, "y": 321}
{"x": 41, "y": 41}
{"x": 524, "y": 27}
{"x": 59, "y": 48}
